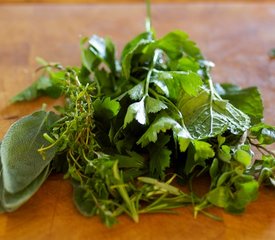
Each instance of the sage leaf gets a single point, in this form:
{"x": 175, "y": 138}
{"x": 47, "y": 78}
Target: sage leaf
{"x": 21, "y": 161}
{"x": 12, "y": 201}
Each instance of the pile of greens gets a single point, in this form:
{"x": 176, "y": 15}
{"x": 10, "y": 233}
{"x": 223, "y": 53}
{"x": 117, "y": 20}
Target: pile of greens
{"x": 133, "y": 130}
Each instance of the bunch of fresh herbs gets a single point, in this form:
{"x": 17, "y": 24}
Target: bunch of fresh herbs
{"x": 133, "y": 130}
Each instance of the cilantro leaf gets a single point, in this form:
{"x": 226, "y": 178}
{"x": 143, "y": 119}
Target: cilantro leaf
{"x": 137, "y": 92}
{"x": 154, "y": 105}
{"x": 136, "y": 111}
{"x": 140, "y": 110}
{"x": 164, "y": 123}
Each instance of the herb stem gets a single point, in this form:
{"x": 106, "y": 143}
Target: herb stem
{"x": 261, "y": 148}
{"x": 148, "y": 23}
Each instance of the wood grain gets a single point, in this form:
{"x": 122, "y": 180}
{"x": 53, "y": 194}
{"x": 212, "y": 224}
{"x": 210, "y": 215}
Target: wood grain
{"x": 236, "y": 37}
{"x": 134, "y": 1}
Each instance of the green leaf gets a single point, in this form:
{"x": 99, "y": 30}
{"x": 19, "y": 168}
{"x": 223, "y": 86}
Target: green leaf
{"x": 214, "y": 168}
{"x": 225, "y": 176}
{"x": 203, "y": 150}
{"x": 185, "y": 64}
{"x": 21, "y": 161}
{"x": 265, "y": 133}
{"x": 173, "y": 82}
{"x": 198, "y": 152}
{"x": 243, "y": 157}
{"x": 104, "y": 50}
{"x": 246, "y": 192}
{"x": 139, "y": 110}
{"x": 12, "y": 201}
{"x": 43, "y": 86}
{"x": 87, "y": 57}
{"x": 164, "y": 123}
{"x": 85, "y": 205}
{"x": 247, "y": 100}
{"x": 159, "y": 157}
{"x": 106, "y": 84}
{"x": 224, "y": 153}
{"x": 207, "y": 116}
{"x": 135, "y": 46}
{"x": 136, "y": 111}
{"x": 137, "y": 92}
{"x": 154, "y": 105}
{"x": 219, "y": 196}
{"x": 132, "y": 160}
{"x": 106, "y": 108}
{"x": 128, "y": 48}
{"x": 266, "y": 170}
{"x": 177, "y": 44}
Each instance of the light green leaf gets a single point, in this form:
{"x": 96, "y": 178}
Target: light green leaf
{"x": 219, "y": 196}
{"x": 203, "y": 150}
{"x": 214, "y": 168}
{"x": 87, "y": 57}
{"x": 137, "y": 92}
{"x": 243, "y": 157}
{"x": 154, "y": 105}
{"x": 164, "y": 123}
{"x": 136, "y": 111}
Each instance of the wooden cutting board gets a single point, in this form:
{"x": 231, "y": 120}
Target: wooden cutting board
{"x": 237, "y": 37}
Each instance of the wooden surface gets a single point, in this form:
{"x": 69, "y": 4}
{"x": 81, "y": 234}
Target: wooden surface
{"x": 237, "y": 37}
{"x": 130, "y": 1}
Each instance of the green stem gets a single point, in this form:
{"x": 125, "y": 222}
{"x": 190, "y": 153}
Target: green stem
{"x": 151, "y": 69}
{"x": 148, "y": 21}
